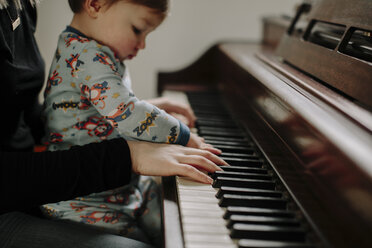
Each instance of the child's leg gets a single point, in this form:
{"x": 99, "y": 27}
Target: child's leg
{"x": 149, "y": 219}
{"x": 113, "y": 211}
{"x": 108, "y": 220}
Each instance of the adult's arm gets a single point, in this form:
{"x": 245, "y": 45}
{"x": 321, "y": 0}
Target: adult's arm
{"x": 30, "y": 179}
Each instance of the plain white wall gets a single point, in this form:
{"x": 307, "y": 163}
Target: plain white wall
{"x": 191, "y": 28}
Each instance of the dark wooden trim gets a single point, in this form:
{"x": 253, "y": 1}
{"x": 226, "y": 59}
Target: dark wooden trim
{"x": 171, "y": 217}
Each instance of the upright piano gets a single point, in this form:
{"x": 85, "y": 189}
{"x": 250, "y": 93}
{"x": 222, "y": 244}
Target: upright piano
{"x": 293, "y": 118}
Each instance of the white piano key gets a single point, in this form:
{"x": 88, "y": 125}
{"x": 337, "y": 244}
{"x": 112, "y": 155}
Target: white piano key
{"x": 195, "y": 192}
{"x": 195, "y": 238}
{"x": 198, "y": 199}
{"x": 186, "y": 183}
{"x": 193, "y": 220}
{"x": 204, "y": 228}
{"x": 199, "y": 188}
{"x": 203, "y": 245}
{"x": 204, "y": 220}
{"x": 197, "y": 205}
{"x": 203, "y": 213}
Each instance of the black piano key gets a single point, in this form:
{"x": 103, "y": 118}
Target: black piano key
{"x": 232, "y": 139}
{"x": 220, "y": 133}
{"x": 197, "y": 95}
{"x": 262, "y": 220}
{"x": 209, "y": 119}
{"x": 245, "y": 191}
{"x": 210, "y": 106}
{"x": 215, "y": 118}
{"x": 212, "y": 114}
{"x": 232, "y": 210}
{"x": 209, "y": 103}
{"x": 244, "y": 169}
{"x": 235, "y": 149}
{"x": 215, "y": 123}
{"x": 255, "y": 243}
{"x": 238, "y": 155}
{"x": 245, "y": 162}
{"x": 252, "y": 201}
{"x": 267, "y": 232}
{"x": 222, "y": 129}
{"x": 229, "y": 143}
{"x": 203, "y": 106}
{"x": 240, "y": 175}
{"x": 242, "y": 182}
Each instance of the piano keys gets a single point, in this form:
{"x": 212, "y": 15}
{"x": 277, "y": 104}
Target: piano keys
{"x": 255, "y": 189}
{"x": 299, "y": 146}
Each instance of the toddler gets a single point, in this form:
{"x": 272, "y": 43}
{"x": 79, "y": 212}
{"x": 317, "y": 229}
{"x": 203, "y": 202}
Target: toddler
{"x": 88, "y": 98}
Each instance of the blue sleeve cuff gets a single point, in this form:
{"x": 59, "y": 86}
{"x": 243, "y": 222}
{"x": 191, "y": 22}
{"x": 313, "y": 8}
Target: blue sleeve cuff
{"x": 184, "y": 135}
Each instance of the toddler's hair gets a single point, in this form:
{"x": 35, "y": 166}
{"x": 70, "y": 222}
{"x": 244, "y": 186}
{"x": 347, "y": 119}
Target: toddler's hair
{"x": 160, "y": 6}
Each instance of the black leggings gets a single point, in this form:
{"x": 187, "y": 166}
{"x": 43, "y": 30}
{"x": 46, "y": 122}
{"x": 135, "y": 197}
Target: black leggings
{"x": 19, "y": 230}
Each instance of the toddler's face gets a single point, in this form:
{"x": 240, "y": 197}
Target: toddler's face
{"x": 124, "y": 26}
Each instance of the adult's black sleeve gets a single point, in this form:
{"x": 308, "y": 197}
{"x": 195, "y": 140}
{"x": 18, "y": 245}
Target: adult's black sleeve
{"x": 29, "y": 179}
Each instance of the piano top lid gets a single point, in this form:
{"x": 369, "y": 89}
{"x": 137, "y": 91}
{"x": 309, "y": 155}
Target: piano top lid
{"x": 335, "y": 47}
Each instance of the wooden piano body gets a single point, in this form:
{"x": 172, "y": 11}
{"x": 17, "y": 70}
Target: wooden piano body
{"x": 306, "y": 101}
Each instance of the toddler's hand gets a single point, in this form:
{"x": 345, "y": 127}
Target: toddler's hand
{"x": 198, "y": 142}
{"x": 181, "y": 111}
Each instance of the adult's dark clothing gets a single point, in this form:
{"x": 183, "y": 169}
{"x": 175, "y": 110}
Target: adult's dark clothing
{"x": 29, "y": 179}
{"x": 22, "y": 76}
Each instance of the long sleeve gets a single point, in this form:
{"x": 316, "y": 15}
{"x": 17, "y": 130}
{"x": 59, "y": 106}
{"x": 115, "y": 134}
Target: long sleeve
{"x": 30, "y": 179}
{"x": 133, "y": 118}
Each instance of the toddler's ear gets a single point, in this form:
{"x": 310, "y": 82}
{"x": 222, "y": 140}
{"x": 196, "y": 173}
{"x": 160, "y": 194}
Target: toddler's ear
{"x": 93, "y": 7}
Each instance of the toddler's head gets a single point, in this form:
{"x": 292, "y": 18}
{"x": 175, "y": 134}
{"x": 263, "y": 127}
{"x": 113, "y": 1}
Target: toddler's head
{"x": 121, "y": 25}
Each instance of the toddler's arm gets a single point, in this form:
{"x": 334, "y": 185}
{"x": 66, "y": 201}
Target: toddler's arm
{"x": 134, "y": 119}
{"x": 175, "y": 107}
{"x": 185, "y": 110}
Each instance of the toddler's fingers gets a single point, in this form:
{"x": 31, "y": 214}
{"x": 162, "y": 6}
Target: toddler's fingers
{"x": 189, "y": 114}
{"x": 186, "y": 111}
